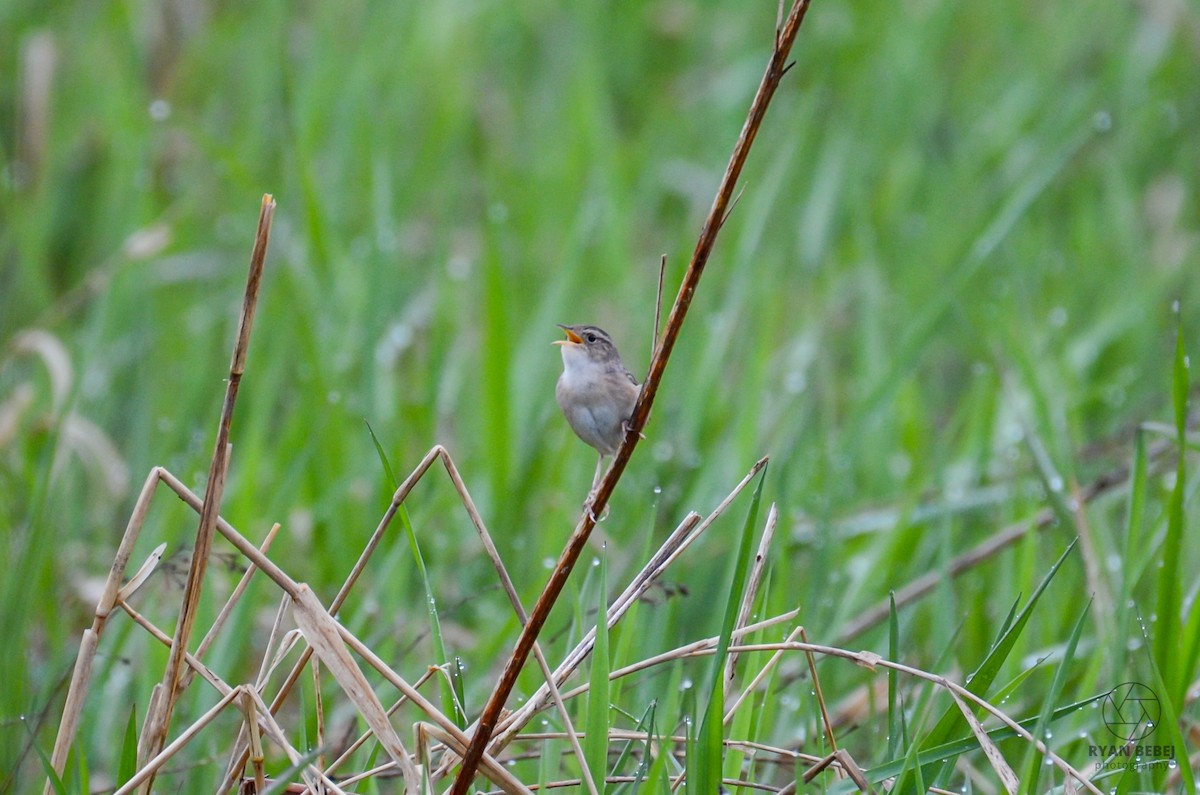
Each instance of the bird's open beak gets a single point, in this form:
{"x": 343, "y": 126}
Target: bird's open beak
{"x": 572, "y": 337}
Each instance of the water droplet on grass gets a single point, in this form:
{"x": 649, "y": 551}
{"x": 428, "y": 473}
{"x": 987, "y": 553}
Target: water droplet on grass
{"x": 160, "y": 110}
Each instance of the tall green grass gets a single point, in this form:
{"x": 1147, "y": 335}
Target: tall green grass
{"x": 963, "y": 228}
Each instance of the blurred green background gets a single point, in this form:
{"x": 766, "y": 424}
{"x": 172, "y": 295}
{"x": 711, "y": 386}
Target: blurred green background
{"x": 962, "y": 233}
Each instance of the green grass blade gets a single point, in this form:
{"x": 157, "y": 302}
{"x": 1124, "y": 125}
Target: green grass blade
{"x": 924, "y": 703}
{"x": 658, "y": 781}
{"x": 595, "y": 745}
{"x": 1009, "y": 619}
{"x": 127, "y": 760}
{"x": 893, "y": 716}
{"x": 450, "y": 705}
{"x": 56, "y": 782}
{"x": 709, "y": 742}
{"x": 1169, "y": 722}
{"x": 383, "y": 459}
{"x": 548, "y": 764}
{"x": 285, "y": 778}
{"x": 1127, "y": 782}
{"x": 1190, "y": 640}
{"x": 912, "y": 766}
{"x": 645, "y": 724}
{"x": 1179, "y": 383}
{"x": 458, "y": 684}
{"x": 967, "y": 743}
{"x": 1002, "y": 693}
{"x": 82, "y": 784}
{"x": 1134, "y": 534}
{"x": 691, "y": 757}
{"x": 1168, "y": 607}
{"x": 952, "y": 722}
{"x": 1033, "y": 766}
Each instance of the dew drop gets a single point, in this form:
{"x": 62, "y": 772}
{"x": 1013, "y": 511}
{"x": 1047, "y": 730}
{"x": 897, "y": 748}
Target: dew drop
{"x": 160, "y": 110}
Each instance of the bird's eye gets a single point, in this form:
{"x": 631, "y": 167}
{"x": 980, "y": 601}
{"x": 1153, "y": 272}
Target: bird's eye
{"x": 590, "y": 337}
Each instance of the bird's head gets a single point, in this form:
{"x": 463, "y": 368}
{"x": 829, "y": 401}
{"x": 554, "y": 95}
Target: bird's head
{"x": 587, "y": 344}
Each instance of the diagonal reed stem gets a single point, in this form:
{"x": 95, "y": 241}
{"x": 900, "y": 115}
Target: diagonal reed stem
{"x": 785, "y": 36}
{"x": 159, "y": 722}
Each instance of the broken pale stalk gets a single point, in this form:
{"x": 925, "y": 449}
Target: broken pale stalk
{"x": 159, "y": 723}
{"x": 82, "y": 675}
{"x": 752, "y": 582}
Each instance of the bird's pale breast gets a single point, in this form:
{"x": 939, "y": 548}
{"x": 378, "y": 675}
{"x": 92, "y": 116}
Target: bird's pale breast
{"x": 597, "y": 406}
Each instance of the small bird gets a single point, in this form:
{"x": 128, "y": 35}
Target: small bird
{"x": 595, "y": 391}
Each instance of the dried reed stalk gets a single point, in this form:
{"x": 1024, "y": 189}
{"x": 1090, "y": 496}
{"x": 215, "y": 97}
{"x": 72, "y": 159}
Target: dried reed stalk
{"x": 82, "y": 675}
{"x": 690, "y": 529}
{"x": 154, "y": 733}
{"x": 785, "y": 35}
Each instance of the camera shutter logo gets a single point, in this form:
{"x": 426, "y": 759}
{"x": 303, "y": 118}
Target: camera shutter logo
{"x": 1131, "y": 711}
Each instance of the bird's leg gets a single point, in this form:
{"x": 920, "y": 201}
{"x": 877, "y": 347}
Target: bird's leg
{"x": 625, "y": 427}
{"x": 592, "y": 494}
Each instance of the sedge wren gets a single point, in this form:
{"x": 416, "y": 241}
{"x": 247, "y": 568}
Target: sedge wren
{"x": 595, "y": 391}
